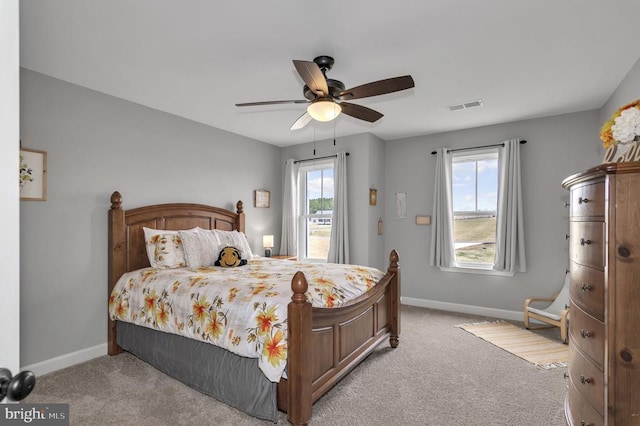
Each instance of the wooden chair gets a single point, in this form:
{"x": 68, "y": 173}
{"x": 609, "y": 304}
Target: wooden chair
{"x": 556, "y": 314}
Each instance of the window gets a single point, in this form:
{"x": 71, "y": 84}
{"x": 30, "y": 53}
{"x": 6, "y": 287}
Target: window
{"x": 316, "y": 211}
{"x": 474, "y": 184}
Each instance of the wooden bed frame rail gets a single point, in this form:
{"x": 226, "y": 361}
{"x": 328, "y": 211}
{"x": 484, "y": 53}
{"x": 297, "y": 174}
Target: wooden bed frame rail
{"x": 324, "y": 344}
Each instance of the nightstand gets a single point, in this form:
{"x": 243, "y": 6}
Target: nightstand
{"x": 285, "y": 257}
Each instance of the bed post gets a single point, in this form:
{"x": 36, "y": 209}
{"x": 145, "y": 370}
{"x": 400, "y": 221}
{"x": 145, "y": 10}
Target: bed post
{"x": 117, "y": 261}
{"x": 395, "y": 298}
{"x": 240, "y": 211}
{"x": 299, "y": 353}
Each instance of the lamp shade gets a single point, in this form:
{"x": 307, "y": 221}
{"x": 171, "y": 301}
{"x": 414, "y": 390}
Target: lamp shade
{"x": 267, "y": 241}
{"x": 324, "y": 110}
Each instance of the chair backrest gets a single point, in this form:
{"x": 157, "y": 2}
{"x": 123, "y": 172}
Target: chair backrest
{"x": 562, "y": 299}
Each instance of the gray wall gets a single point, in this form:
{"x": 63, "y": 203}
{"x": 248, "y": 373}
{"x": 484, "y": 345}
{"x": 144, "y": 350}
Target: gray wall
{"x": 365, "y": 168}
{"x": 628, "y": 91}
{"x": 97, "y": 144}
{"x": 557, "y": 147}
{"x": 377, "y": 255}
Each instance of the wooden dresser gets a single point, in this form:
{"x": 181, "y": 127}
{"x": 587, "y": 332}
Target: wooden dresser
{"x": 604, "y": 328}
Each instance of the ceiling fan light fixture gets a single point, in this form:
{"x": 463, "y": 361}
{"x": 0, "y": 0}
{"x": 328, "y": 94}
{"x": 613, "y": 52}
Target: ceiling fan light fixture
{"x": 324, "y": 110}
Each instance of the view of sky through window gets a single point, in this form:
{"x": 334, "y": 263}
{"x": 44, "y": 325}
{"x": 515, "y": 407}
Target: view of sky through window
{"x": 320, "y": 184}
{"x": 465, "y": 197}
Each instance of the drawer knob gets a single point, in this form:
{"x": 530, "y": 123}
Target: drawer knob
{"x": 583, "y": 200}
{"x": 624, "y": 251}
{"x": 585, "y": 334}
{"x": 583, "y": 423}
{"x": 567, "y": 204}
{"x": 583, "y": 242}
{"x": 626, "y": 355}
{"x": 566, "y": 375}
{"x": 585, "y": 380}
{"x": 586, "y": 287}
{"x": 566, "y": 236}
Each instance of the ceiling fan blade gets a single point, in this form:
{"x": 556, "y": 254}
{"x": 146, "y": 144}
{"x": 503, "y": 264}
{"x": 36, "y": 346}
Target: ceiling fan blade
{"x": 312, "y": 76}
{"x": 379, "y": 87}
{"x": 361, "y": 112}
{"x": 297, "y": 101}
{"x": 302, "y": 121}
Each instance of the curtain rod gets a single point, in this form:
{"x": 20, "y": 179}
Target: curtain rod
{"x": 317, "y": 158}
{"x": 474, "y": 147}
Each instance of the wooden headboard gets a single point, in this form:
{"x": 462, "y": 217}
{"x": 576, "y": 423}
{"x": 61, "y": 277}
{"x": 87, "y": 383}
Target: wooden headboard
{"x": 127, "y": 251}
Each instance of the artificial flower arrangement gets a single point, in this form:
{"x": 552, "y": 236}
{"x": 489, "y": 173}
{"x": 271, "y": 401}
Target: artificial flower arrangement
{"x": 623, "y": 126}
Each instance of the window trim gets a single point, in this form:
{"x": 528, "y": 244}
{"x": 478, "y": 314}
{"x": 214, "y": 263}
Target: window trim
{"x": 476, "y": 270}
{"x": 480, "y": 154}
{"x": 302, "y": 208}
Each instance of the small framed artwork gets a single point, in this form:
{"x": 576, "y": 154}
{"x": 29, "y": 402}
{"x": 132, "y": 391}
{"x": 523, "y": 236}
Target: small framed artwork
{"x": 373, "y": 196}
{"x": 262, "y": 198}
{"x": 423, "y": 220}
{"x": 33, "y": 175}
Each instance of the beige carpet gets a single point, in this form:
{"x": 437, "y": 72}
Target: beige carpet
{"x": 539, "y": 350}
{"x": 439, "y": 375}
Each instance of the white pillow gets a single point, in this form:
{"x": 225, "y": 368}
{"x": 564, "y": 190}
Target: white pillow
{"x": 200, "y": 247}
{"x": 164, "y": 248}
{"x": 241, "y": 238}
{"x": 234, "y": 239}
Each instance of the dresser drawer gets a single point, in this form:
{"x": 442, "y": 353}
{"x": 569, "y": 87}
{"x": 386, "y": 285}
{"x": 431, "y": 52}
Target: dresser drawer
{"x": 587, "y": 289}
{"x": 587, "y": 379}
{"x": 587, "y": 334}
{"x": 581, "y": 413}
{"x": 588, "y": 200}
{"x": 587, "y": 244}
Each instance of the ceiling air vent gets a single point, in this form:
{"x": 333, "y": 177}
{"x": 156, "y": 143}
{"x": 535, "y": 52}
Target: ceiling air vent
{"x": 466, "y": 105}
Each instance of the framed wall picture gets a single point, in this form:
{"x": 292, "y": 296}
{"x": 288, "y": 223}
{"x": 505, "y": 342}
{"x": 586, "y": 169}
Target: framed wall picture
{"x": 262, "y": 198}
{"x": 33, "y": 175}
{"x": 373, "y": 196}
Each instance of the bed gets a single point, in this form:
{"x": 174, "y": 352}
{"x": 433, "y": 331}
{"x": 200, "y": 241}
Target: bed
{"x": 323, "y": 344}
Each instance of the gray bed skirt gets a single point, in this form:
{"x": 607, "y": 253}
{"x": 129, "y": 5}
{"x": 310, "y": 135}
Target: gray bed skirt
{"x": 237, "y": 381}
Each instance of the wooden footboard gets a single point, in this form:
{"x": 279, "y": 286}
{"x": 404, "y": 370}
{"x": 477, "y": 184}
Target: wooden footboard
{"x": 324, "y": 344}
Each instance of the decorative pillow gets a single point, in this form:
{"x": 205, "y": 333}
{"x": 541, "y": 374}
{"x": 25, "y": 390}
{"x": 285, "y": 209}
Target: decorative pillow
{"x": 233, "y": 239}
{"x": 230, "y": 256}
{"x": 164, "y": 248}
{"x": 242, "y": 239}
{"x": 200, "y": 247}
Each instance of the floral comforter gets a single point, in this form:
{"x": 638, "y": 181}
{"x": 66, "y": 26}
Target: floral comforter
{"x": 242, "y": 309}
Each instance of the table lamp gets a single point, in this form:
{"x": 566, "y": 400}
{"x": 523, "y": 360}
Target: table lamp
{"x": 267, "y": 243}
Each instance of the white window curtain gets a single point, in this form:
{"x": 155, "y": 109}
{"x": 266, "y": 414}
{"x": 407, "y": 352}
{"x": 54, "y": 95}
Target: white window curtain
{"x": 289, "y": 236}
{"x": 442, "y": 242}
{"x": 339, "y": 241}
{"x": 510, "y": 253}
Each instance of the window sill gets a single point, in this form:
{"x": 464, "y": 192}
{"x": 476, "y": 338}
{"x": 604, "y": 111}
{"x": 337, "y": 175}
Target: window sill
{"x": 477, "y": 270}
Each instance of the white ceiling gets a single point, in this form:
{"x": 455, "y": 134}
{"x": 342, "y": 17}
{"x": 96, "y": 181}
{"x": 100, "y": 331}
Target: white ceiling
{"x": 197, "y": 58}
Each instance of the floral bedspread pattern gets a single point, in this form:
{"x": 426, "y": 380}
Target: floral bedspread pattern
{"x": 242, "y": 309}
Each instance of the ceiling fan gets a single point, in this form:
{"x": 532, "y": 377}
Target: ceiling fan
{"x": 326, "y": 97}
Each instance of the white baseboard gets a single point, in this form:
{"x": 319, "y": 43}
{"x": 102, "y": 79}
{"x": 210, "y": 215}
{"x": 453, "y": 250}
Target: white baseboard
{"x": 464, "y": 309}
{"x": 67, "y": 360}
